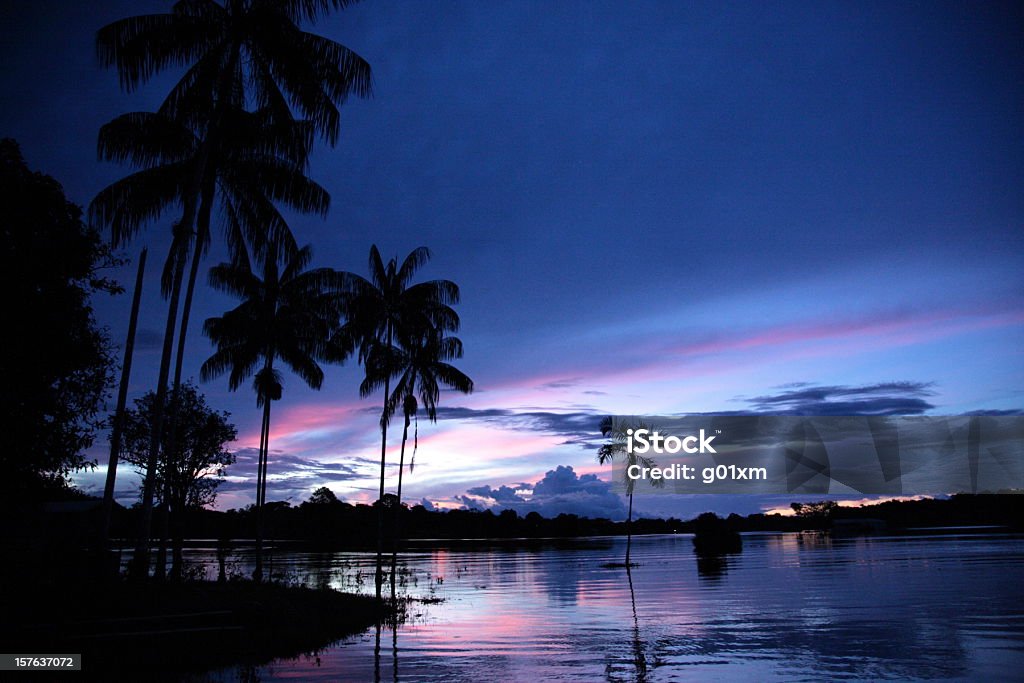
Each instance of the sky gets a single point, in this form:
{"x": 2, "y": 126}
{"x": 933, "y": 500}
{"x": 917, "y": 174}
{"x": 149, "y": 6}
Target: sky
{"x": 650, "y": 208}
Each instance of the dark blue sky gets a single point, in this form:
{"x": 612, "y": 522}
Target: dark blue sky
{"x": 650, "y": 207}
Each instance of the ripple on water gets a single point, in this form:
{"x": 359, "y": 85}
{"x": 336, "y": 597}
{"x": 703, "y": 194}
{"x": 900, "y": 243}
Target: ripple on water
{"x": 789, "y": 607}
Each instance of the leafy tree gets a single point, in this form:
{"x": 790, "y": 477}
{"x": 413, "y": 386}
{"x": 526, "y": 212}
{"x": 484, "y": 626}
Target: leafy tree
{"x": 57, "y": 365}
{"x": 191, "y": 473}
{"x": 379, "y": 311}
{"x": 819, "y": 512}
{"x": 192, "y": 460}
{"x": 287, "y": 313}
{"x": 323, "y": 496}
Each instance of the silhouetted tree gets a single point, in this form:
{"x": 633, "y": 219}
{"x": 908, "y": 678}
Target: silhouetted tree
{"x": 323, "y": 496}
{"x": 238, "y": 53}
{"x": 378, "y": 312}
{"x": 617, "y": 449}
{"x": 420, "y": 366}
{"x": 258, "y": 161}
{"x": 818, "y": 513}
{"x": 192, "y": 459}
{"x": 57, "y": 363}
{"x": 287, "y": 313}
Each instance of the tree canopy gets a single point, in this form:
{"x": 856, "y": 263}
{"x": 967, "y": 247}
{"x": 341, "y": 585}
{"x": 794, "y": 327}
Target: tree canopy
{"x": 189, "y": 475}
{"x": 57, "y": 364}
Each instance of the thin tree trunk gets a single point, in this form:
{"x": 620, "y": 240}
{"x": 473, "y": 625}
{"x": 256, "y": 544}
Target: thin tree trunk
{"x": 398, "y": 510}
{"x": 263, "y": 485}
{"x": 629, "y": 529}
{"x": 203, "y": 221}
{"x": 160, "y": 569}
{"x": 266, "y": 457}
{"x": 257, "y": 575}
{"x": 122, "y": 398}
{"x": 379, "y": 578}
{"x": 140, "y": 561}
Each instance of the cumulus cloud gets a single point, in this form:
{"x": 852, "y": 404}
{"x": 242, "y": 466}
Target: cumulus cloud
{"x": 502, "y": 494}
{"x": 560, "y": 491}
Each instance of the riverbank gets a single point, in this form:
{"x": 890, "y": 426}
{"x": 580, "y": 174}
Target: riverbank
{"x": 128, "y": 631}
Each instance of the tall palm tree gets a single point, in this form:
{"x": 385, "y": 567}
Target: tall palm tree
{"x": 287, "y": 313}
{"x": 419, "y": 364}
{"x": 240, "y": 53}
{"x": 617, "y": 449}
{"x": 380, "y": 310}
{"x": 260, "y": 160}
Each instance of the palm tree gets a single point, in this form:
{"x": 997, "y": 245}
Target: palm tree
{"x": 617, "y": 449}
{"x": 380, "y": 310}
{"x": 261, "y": 160}
{"x": 419, "y": 364}
{"x": 287, "y": 313}
{"x": 239, "y": 53}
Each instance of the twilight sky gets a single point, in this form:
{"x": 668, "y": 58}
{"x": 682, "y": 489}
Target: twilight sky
{"x": 650, "y": 208}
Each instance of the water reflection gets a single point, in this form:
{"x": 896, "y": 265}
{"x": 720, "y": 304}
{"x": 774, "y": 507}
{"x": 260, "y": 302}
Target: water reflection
{"x": 639, "y": 658}
{"x": 788, "y": 608}
{"x": 712, "y": 567}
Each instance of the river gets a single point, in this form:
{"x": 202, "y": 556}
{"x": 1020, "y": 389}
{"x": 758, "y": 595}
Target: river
{"x": 790, "y": 607}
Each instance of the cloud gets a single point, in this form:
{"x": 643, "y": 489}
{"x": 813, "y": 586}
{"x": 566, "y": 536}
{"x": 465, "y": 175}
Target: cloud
{"x": 502, "y": 494}
{"x": 884, "y": 398}
{"x": 560, "y": 491}
{"x": 567, "y": 383}
{"x": 288, "y": 476}
{"x": 578, "y": 427}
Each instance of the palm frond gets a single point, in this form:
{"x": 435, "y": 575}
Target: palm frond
{"x": 142, "y": 46}
{"x": 145, "y": 139}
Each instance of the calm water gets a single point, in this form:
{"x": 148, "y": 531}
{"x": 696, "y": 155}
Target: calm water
{"x": 790, "y": 607}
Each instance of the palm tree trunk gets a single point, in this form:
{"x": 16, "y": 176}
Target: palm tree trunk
{"x": 140, "y": 561}
{"x": 204, "y": 226}
{"x": 379, "y": 578}
{"x": 629, "y": 529}
{"x": 380, "y": 498}
{"x": 122, "y": 398}
{"x": 398, "y": 509}
{"x": 257, "y": 575}
{"x": 263, "y": 482}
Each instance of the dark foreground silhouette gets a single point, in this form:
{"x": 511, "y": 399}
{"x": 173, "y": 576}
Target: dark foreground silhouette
{"x": 149, "y": 631}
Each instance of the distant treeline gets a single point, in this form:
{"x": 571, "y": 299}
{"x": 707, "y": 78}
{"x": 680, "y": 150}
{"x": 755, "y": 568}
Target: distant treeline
{"x": 341, "y": 525}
